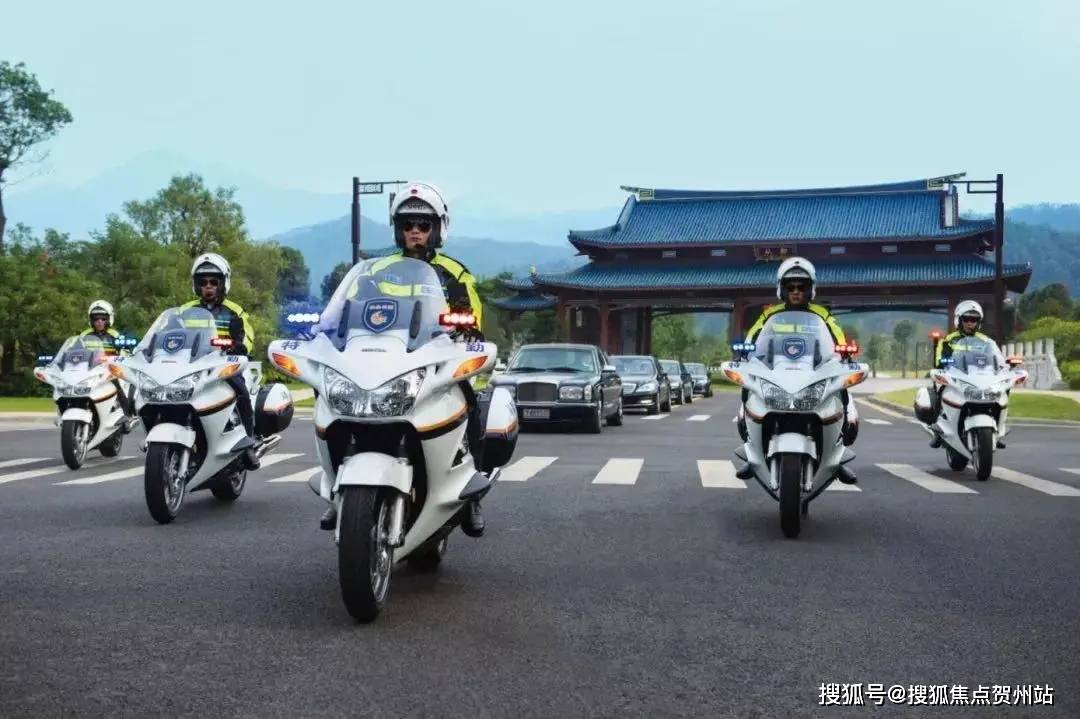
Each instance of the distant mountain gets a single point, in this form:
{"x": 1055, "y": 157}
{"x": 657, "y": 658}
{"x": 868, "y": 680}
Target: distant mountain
{"x": 1065, "y": 218}
{"x": 328, "y": 243}
{"x": 1054, "y": 255}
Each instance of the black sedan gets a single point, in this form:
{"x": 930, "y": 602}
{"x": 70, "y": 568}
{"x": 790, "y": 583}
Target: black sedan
{"x": 564, "y": 384}
{"x": 644, "y": 383}
{"x": 701, "y": 377}
{"x": 682, "y": 385}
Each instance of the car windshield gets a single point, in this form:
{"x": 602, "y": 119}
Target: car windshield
{"x": 82, "y": 351}
{"x": 671, "y": 367}
{"x": 553, "y": 359}
{"x": 696, "y": 369}
{"x": 794, "y": 340}
{"x": 633, "y": 365}
{"x": 189, "y": 332}
{"x": 392, "y": 296}
{"x": 974, "y": 355}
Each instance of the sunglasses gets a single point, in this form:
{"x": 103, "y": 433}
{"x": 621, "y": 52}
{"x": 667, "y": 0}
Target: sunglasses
{"x": 969, "y": 319}
{"x": 795, "y": 288}
{"x": 422, "y": 225}
{"x": 208, "y": 281}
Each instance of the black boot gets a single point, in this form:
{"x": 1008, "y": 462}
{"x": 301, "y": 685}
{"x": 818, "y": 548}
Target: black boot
{"x": 473, "y": 525}
{"x": 251, "y": 459}
{"x": 329, "y": 519}
{"x": 846, "y": 476}
{"x": 1000, "y": 444}
{"x": 935, "y": 443}
{"x": 746, "y": 472}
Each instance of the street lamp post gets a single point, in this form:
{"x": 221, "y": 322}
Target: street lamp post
{"x": 364, "y": 188}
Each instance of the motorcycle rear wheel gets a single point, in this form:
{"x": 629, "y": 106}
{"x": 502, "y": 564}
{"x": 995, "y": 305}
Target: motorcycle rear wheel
{"x": 365, "y": 561}
{"x": 111, "y": 446}
{"x": 791, "y": 477}
{"x": 228, "y": 488}
{"x": 428, "y": 558}
{"x": 957, "y": 461}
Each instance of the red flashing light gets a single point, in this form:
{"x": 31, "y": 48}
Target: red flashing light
{"x": 222, "y": 342}
{"x": 457, "y": 319}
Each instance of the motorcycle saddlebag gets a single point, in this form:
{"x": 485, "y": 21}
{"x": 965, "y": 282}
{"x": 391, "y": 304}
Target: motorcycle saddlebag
{"x": 500, "y": 427}
{"x": 924, "y": 406}
{"x": 273, "y": 409}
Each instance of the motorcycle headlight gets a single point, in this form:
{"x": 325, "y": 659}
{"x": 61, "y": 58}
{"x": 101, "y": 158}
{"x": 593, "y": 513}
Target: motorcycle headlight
{"x": 809, "y": 398}
{"x": 571, "y": 394}
{"x": 174, "y": 392}
{"x": 647, "y": 387}
{"x": 343, "y": 394}
{"x": 775, "y": 397}
{"x": 84, "y": 388}
{"x": 396, "y": 397}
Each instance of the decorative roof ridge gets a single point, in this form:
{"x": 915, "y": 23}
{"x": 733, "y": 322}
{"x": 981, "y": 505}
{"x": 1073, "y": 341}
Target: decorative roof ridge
{"x": 931, "y": 184}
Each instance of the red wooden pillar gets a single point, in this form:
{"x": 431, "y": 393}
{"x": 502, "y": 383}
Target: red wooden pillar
{"x": 738, "y": 317}
{"x": 605, "y": 340}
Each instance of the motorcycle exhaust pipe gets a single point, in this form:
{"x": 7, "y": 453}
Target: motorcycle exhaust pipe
{"x": 395, "y": 537}
{"x": 267, "y": 444}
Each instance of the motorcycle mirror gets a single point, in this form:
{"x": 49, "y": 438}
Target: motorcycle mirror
{"x": 414, "y": 322}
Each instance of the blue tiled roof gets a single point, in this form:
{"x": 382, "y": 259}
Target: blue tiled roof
{"x": 525, "y": 302}
{"x": 517, "y": 283}
{"x": 665, "y": 276}
{"x": 874, "y": 212}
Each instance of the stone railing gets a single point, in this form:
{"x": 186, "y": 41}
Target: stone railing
{"x": 1039, "y": 361}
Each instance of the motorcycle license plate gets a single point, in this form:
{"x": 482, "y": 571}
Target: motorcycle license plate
{"x": 537, "y": 413}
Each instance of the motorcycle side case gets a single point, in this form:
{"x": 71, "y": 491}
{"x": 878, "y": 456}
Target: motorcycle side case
{"x": 500, "y": 417}
{"x": 273, "y": 409}
{"x": 924, "y": 406}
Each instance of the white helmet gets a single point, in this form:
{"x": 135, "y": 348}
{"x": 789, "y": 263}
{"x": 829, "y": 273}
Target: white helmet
{"x": 100, "y": 307}
{"x": 794, "y": 268}
{"x": 421, "y": 198}
{"x": 211, "y": 263}
{"x": 967, "y": 307}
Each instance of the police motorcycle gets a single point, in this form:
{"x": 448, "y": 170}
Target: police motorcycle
{"x": 195, "y": 439}
{"x": 969, "y": 416}
{"x": 797, "y": 436}
{"x": 391, "y": 374}
{"x": 89, "y": 412}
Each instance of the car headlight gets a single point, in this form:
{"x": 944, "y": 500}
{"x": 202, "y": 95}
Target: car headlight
{"x": 571, "y": 394}
{"x": 392, "y": 399}
{"x": 174, "y": 392}
{"x": 647, "y": 387}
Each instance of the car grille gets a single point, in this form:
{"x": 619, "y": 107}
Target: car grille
{"x": 536, "y": 392}
{"x": 627, "y": 388}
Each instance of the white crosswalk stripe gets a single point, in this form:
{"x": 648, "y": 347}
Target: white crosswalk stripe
{"x": 698, "y": 417}
{"x": 273, "y": 459}
{"x": 525, "y": 468}
{"x": 57, "y": 469}
{"x": 655, "y": 416}
{"x": 1039, "y": 485}
{"x": 874, "y": 420}
{"x": 102, "y": 478}
{"x": 302, "y": 476}
{"x": 926, "y": 480}
{"x": 838, "y": 486}
{"x": 21, "y": 461}
{"x": 719, "y": 473}
{"x": 619, "y": 471}
{"x": 1070, "y": 471}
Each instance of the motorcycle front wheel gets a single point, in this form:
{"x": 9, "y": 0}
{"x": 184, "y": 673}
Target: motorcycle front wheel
{"x": 73, "y": 439}
{"x": 162, "y": 483}
{"x": 791, "y": 477}
{"x": 365, "y": 560}
{"x": 982, "y": 453}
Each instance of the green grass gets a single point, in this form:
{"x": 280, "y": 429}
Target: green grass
{"x": 26, "y": 404}
{"x": 309, "y": 402}
{"x": 1021, "y": 405}
{"x": 724, "y": 386}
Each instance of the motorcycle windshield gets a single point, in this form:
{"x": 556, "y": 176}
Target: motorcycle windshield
{"x": 82, "y": 352}
{"x": 794, "y": 340}
{"x": 180, "y": 333}
{"x": 975, "y": 356}
{"x": 388, "y": 296}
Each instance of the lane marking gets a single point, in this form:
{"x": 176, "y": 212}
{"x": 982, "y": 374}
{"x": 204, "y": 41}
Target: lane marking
{"x": 838, "y": 486}
{"x": 719, "y": 473}
{"x": 1039, "y": 485}
{"x": 886, "y": 412}
{"x": 619, "y": 471}
{"x": 22, "y": 461}
{"x": 525, "y": 468}
{"x": 873, "y": 420}
{"x": 58, "y": 468}
{"x": 698, "y": 417}
{"x": 656, "y": 416}
{"x": 1070, "y": 471}
{"x": 111, "y": 476}
{"x": 926, "y": 480}
{"x": 302, "y": 476}
{"x": 275, "y": 458}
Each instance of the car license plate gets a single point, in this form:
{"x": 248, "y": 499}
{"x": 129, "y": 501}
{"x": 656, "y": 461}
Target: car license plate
{"x": 537, "y": 413}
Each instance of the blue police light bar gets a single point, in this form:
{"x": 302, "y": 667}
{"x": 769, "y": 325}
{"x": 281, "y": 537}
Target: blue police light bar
{"x": 126, "y": 342}
{"x": 302, "y": 318}
{"x": 948, "y": 360}
{"x": 743, "y": 346}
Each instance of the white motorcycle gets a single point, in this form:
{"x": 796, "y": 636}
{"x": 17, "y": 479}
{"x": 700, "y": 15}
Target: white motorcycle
{"x": 974, "y": 404}
{"x": 796, "y": 428}
{"x": 195, "y": 438}
{"x": 391, "y": 419}
{"x": 87, "y": 401}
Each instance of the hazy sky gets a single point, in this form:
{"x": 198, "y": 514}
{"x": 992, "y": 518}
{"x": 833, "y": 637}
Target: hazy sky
{"x": 554, "y": 104}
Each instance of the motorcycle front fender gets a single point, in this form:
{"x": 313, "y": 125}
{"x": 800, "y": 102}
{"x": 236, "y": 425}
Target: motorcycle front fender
{"x": 374, "y": 469}
{"x": 975, "y": 421}
{"x": 792, "y": 443}
{"x": 168, "y": 433}
{"x": 76, "y": 414}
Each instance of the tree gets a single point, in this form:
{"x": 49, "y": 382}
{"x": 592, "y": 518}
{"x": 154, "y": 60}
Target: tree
{"x": 294, "y": 284}
{"x": 902, "y": 334}
{"x": 332, "y": 280}
{"x": 875, "y": 351}
{"x": 28, "y": 117}
{"x": 1049, "y": 301}
{"x": 673, "y": 336}
{"x": 189, "y": 214}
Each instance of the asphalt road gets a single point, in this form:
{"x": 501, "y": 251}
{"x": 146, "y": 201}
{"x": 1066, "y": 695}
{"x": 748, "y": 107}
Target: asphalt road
{"x": 625, "y": 588}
